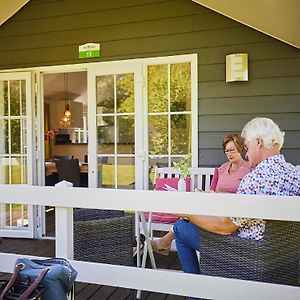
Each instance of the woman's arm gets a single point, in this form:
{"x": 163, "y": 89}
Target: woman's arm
{"x": 219, "y": 225}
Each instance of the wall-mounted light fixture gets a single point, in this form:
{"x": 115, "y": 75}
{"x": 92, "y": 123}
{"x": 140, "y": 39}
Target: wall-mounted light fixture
{"x": 237, "y": 67}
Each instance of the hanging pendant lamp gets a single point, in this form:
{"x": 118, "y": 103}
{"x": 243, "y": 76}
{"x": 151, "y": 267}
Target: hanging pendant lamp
{"x": 66, "y": 118}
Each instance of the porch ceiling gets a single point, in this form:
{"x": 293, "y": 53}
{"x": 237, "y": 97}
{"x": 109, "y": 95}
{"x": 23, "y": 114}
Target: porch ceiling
{"x": 277, "y": 18}
{"x": 9, "y": 7}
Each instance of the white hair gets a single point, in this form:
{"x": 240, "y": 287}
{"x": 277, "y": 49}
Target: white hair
{"x": 264, "y": 129}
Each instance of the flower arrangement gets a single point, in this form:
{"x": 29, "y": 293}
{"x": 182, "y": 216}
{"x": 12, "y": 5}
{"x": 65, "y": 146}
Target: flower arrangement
{"x": 50, "y": 134}
{"x": 184, "y": 166}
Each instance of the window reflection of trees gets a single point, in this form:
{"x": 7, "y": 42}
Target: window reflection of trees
{"x": 175, "y": 81}
{"x": 13, "y": 147}
{"x": 169, "y": 94}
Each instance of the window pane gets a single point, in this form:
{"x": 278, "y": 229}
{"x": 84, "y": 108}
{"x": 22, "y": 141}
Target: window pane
{"x": 14, "y": 97}
{"x": 23, "y": 99}
{"x": 106, "y": 172}
{"x": 125, "y": 93}
{"x": 153, "y": 163}
{"x": 158, "y": 88}
{"x": 126, "y": 173}
{"x": 4, "y": 137}
{"x": 15, "y": 137}
{"x": 24, "y": 137}
{"x": 158, "y": 134}
{"x": 3, "y": 98}
{"x": 106, "y": 135}
{"x": 180, "y": 134}
{"x": 18, "y": 170}
{"x": 4, "y": 170}
{"x": 180, "y": 87}
{"x": 105, "y": 94}
{"x": 19, "y": 215}
{"x": 125, "y": 135}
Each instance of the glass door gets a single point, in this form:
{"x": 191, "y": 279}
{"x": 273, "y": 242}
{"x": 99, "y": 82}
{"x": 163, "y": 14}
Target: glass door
{"x": 16, "y": 164}
{"x": 141, "y": 115}
{"x": 171, "y": 114}
{"x": 116, "y": 156}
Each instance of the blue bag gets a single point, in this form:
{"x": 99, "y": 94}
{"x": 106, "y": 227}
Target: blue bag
{"x": 59, "y": 279}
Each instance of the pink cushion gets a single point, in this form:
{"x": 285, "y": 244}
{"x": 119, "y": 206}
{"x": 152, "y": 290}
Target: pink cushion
{"x": 160, "y": 186}
{"x": 173, "y": 182}
{"x": 162, "y": 217}
{"x": 215, "y": 179}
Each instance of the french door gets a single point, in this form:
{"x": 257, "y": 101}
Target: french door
{"x": 116, "y": 157}
{"x": 141, "y": 115}
{"x": 16, "y": 147}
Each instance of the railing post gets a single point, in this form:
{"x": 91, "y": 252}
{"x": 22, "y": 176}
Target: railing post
{"x": 64, "y": 228}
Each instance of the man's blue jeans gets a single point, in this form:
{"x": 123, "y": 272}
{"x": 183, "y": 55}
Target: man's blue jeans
{"x": 187, "y": 238}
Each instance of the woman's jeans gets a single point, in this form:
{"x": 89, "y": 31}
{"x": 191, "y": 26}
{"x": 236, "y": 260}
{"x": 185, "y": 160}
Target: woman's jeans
{"x": 187, "y": 238}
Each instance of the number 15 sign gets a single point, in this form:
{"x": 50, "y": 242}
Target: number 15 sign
{"x": 89, "y": 50}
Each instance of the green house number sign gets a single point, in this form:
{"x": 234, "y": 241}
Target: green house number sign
{"x": 89, "y": 50}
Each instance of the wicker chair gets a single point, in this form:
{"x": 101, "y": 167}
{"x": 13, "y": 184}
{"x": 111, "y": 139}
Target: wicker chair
{"x": 274, "y": 259}
{"x": 103, "y": 236}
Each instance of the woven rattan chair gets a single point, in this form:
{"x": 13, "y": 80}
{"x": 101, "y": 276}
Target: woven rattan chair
{"x": 103, "y": 236}
{"x": 274, "y": 259}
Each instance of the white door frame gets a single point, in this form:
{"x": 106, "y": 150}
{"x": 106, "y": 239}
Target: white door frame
{"x": 92, "y": 127}
{"x": 29, "y": 230}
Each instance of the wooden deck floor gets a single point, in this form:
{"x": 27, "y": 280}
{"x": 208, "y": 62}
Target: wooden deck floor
{"x": 85, "y": 291}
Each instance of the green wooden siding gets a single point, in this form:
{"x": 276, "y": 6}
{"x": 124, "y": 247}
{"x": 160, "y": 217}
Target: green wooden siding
{"x": 48, "y": 32}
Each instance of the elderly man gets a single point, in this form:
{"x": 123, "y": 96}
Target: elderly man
{"x": 272, "y": 175}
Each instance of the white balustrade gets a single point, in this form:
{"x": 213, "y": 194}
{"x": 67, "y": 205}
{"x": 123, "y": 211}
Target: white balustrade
{"x": 268, "y": 207}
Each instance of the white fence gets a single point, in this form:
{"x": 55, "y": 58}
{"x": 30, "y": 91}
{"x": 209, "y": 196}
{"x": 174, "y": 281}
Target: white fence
{"x": 163, "y": 281}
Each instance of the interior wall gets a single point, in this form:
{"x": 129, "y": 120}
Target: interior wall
{"x": 77, "y": 150}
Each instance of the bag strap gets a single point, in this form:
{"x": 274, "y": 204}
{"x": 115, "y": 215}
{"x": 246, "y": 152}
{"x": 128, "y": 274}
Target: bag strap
{"x": 34, "y": 285}
{"x": 12, "y": 280}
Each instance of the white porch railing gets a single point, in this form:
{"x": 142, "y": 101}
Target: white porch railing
{"x": 64, "y": 199}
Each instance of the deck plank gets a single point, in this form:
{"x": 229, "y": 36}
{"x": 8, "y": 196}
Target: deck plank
{"x": 84, "y": 291}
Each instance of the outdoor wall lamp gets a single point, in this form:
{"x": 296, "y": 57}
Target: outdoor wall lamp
{"x": 237, "y": 67}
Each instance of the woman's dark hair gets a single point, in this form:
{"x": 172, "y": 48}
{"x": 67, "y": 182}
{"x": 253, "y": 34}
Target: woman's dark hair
{"x": 236, "y": 139}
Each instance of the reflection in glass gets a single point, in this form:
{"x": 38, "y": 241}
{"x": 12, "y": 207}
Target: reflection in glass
{"x": 158, "y": 88}
{"x": 18, "y": 170}
{"x": 180, "y": 134}
{"x": 158, "y": 134}
{"x": 125, "y": 93}
{"x": 15, "y": 136}
{"x": 105, "y": 93}
{"x": 19, "y": 215}
{"x": 106, "y": 135}
{"x": 125, "y": 135}
{"x": 14, "y": 90}
{"x": 3, "y": 98}
{"x": 24, "y": 136}
{"x": 23, "y": 97}
{"x": 154, "y": 162}
{"x": 106, "y": 172}
{"x": 4, "y": 137}
{"x": 180, "y": 87}
{"x": 4, "y": 170}
{"x": 126, "y": 173}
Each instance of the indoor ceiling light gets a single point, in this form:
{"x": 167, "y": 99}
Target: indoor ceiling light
{"x": 66, "y": 118}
